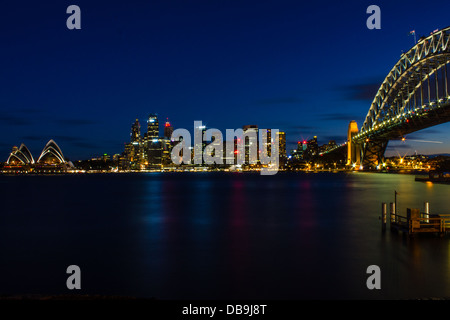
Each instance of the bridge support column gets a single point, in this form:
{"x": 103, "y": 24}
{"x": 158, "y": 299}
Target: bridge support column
{"x": 353, "y": 149}
{"x": 373, "y": 153}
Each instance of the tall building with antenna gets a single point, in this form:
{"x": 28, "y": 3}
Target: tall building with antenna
{"x": 168, "y": 130}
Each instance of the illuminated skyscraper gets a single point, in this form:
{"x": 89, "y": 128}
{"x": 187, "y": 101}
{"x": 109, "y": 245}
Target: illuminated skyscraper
{"x": 167, "y": 144}
{"x": 135, "y": 131}
{"x": 312, "y": 150}
{"x": 168, "y": 130}
{"x": 250, "y": 142}
{"x": 153, "y": 144}
{"x": 153, "y": 127}
{"x": 268, "y": 142}
{"x": 298, "y": 154}
{"x": 282, "y": 148}
{"x": 134, "y": 150}
{"x": 165, "y": 152}
{"x": 249, "y": 126}
{"x": 198, "y": 154}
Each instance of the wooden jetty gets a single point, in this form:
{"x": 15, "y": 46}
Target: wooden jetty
{"x": 434, "y": 176}
{"x": 416, "y": 221}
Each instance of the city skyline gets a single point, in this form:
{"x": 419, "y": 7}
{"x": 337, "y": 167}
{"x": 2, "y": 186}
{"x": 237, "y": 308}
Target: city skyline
{"x": 227, "y": 64}
{"x": 219, "y": 153}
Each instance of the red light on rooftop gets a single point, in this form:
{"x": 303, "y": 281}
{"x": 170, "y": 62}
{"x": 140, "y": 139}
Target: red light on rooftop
{"x": 167, "y": 124}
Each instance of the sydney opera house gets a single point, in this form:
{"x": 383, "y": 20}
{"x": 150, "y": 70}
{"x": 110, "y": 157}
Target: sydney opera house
{"x": 51, "y": 160}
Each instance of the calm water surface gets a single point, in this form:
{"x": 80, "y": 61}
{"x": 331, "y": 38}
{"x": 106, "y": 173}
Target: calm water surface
{"x": 218, "y": 236}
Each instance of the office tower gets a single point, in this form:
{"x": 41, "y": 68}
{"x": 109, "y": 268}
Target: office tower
{"x": 136, "y": 150}
{"x": 282, "y": 143}
{"x": 167, "y": 144}
{"x": 166, "y": 151}
{"x": 153, "y": 144}
{"x": 268, "y": 142}
{"x": 153, "y": 126}
{"x": 198, "y": 154}
{"x": 135, "y": 131}
{"x": 228, "y": 158}
{"x": 249, "y": 126}
{"x": 281, "y": 136}
{"x": 250, "y": 143}
{"x": 168, "y": 130}
{"x": 312, "y": 150}
{"x": 299, "y": 152}
{"x": 133, "y": 150}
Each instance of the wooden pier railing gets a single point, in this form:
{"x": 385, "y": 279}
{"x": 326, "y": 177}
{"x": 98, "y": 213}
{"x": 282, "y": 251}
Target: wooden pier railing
{"x": 416, "y": 222}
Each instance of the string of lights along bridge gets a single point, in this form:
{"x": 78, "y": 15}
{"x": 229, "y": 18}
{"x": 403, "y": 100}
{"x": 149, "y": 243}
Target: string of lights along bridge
{"x": 413, "y": 96}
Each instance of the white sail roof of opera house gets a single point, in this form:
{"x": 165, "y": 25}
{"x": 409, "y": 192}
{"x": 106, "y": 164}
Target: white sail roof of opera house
{"x": 22, "y": 154}
{"x": 51, "y": 150}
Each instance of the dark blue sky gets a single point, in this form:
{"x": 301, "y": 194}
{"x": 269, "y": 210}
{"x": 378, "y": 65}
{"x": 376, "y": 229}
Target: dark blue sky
{"x": 307, "y": 68}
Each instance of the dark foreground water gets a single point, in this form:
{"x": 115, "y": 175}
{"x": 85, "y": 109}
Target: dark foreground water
{"x": 218, "y": 236}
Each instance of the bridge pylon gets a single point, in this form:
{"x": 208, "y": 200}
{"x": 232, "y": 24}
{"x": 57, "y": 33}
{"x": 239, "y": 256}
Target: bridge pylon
{"x": 353, "y": 148}
{"x": 373, "y": 152}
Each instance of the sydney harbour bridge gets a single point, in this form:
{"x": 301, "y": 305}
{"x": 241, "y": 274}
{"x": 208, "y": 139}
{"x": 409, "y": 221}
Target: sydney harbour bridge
{"x": 413, "y": 96}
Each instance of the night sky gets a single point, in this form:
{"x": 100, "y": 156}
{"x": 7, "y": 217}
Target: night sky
{"x": 307, "y": 68}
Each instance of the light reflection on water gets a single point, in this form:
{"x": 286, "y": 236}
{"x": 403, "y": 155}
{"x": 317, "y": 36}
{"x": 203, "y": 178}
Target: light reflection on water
{"x": 220, "y": 235}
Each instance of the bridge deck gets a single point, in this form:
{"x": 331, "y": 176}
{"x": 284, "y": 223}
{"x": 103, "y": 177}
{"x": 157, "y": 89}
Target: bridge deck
{"x": 397, "y": 128}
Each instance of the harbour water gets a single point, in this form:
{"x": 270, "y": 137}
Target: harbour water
{"x": 219, "y": 236}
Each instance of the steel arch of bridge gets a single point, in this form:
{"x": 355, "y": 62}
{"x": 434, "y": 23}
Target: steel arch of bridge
{"x": 413, "y": 96}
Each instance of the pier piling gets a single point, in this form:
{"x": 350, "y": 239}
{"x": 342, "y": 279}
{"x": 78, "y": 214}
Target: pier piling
{"x": 383, "y": 216}
{"x": 426, "y": 212}
{"x": 392, "y": 212}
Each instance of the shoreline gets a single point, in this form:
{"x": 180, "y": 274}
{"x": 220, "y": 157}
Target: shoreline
{"x": 404, "y": 172}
